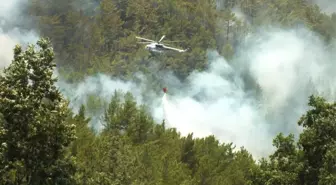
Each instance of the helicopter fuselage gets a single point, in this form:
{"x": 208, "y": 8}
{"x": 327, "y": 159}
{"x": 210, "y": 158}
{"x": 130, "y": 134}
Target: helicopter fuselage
{"x": 155, "y": 47}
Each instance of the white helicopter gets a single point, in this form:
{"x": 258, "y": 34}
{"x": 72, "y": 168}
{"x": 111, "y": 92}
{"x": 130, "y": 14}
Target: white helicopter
{"x": 158, "y": 46}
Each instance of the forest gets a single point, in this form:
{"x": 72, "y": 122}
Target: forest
{"x": 44, "y": 142}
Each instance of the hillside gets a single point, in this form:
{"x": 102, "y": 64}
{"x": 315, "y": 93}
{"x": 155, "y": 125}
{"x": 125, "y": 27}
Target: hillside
{"x": 45, "y": 140}
{"x": 91, "y": 36}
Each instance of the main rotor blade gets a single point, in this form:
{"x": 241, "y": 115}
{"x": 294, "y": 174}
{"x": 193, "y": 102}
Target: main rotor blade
{"x": 144, "y": 42}
{"x": 144, "y": 39}
{"x": 172, "y": 41}
{"x": 162, "y": 38}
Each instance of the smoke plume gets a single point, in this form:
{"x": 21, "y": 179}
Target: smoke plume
{"x": 328, "y": 6}
{"x": 261, "y": 92}
{"x": 95, "y": 93}
{"x": 286, "y": 65}
{"x": 14, "y": 29}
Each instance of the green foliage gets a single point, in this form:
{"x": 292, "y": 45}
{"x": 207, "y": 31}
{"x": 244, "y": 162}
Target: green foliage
{"x": 312, "y": 160}
{"x": 34, "y": 133}
{"x": 40, "y": 137}
{"x": 102, "y": 38}
{"x": 318, "y": 141}
{"x": 38, "y": 147}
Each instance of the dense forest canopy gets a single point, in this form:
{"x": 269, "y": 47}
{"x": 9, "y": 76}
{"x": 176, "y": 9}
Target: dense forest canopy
{"x": 43, "y": 141}
{"x": 99, "y": 35}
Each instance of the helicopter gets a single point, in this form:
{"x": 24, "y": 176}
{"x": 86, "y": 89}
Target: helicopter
{"x": 158, "y": 46}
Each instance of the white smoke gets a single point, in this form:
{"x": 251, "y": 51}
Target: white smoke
{"x": 6, "y": 50}
{"x": 11, "y": 18}
{"x": 288, "y": 66}
{"x": 285, "y": 66}
{"x": 328, "y": 6}
{"x": 101, "y": 88}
